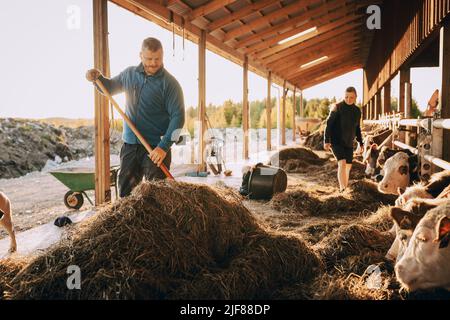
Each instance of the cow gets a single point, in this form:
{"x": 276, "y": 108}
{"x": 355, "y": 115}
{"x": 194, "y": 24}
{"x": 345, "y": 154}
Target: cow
{"x": 425, "y": 262}
{"x": 6, "y": 220}
{"x": 375, "y": 159}
{"x": 399, "y": 171}
{"x": 406, "y": 220}
{"x": 373, "y": 141}
{"x": 437, "y": 184}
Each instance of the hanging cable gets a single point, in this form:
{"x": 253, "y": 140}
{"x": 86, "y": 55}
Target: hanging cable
{"x": 182, "y": 25}
{"x": 173, "y": 33}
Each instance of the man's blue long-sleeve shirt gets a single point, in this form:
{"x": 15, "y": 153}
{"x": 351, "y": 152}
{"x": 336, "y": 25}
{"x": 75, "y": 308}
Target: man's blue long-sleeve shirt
{"x": 154, "y": 103}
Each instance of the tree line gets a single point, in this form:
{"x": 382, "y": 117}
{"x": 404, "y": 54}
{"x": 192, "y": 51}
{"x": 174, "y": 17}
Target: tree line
{"x": 229, "y": 114}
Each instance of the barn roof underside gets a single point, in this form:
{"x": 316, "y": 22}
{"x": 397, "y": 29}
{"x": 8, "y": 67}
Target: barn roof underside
{"x": 302, "y": 42}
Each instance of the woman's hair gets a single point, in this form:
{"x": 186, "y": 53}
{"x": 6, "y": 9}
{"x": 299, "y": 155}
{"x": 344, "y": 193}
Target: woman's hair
{"x": 351, "y": 89}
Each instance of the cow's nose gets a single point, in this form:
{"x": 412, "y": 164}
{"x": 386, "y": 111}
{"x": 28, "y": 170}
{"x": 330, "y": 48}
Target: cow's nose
{"x": 385, "y": 186}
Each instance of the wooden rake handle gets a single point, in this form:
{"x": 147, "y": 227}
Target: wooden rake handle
{"x": 132, "y": 126}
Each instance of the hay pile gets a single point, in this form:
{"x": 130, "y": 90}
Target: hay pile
{"x": 148, "y": 246}
{"x": 362, "y": 196}
{"x": 8, "y": 270}
{"x": 296, "y": 160}
{"x": 354, "y": 245}
{"x": 315, "y": 140}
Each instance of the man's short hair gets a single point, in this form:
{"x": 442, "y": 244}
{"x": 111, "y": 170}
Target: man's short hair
{"x": 151, "y": 44}
{"x": 351, "y": 89}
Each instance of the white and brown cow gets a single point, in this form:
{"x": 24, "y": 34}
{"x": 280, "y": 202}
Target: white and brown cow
{"x": 399, "y": 172}
{"x": 6, "y": 220}
{"x": 406, "y": 220}
{"x": 437, "y": 184}
{"x": 426, "y": 261}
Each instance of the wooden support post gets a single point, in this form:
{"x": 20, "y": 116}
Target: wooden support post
{"x": 378, "y": 105}
{"x": 283, "y": 115}
{"x": 405, "y": 76}
{"x": 387, "y": 98}
{"x": 408, "y": 105}
{"x": 269, "y": 112}
{"x": 302, "y": 107}
{"x": 294, "y": 109}
{"x": 369, "y": 111}
{"x": 245, "y": 111}
{"x": 444, "y": 63}
{"x": 102, "y": 149}
{"x": 202, "y": 99}
{"x": 365, "y": 88}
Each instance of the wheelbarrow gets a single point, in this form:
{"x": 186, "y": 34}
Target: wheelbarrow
{"x": 80, "y": 180}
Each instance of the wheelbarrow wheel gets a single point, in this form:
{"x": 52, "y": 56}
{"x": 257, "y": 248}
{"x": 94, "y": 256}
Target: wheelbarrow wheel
{"x": 73, "y": 200}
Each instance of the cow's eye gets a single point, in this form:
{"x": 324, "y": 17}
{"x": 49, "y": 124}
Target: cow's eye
{"x": 421, "y": 239}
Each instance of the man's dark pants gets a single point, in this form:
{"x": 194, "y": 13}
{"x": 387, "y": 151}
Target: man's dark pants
{"x": 136, "y": 164}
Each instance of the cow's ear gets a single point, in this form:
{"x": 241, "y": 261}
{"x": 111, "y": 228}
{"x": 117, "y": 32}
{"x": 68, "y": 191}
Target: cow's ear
{"x": 444, "y": 232}
{"x": 403, "y": 169}
{"x": 402, "y": 218}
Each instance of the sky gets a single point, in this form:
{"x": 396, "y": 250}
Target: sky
{"x": 47, "y": 48}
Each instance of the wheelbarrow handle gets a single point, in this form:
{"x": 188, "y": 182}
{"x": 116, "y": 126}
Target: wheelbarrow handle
{"x": 132, "y": 126}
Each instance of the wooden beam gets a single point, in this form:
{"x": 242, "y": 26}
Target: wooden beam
{"x": 160, "y": 15}
{"x": 365, "y": 87}
{"x": 378, "y": 105}
{"x": 237, "y": 15}
{"x": 405, "y": 77}
{"x": 294, "y": 105}
{"x": 202, "y": 98}
{"x": 280, "y": 29}
{"x": 295, "y": 42}
{"x": 444, "y": 54}
{"x": 283, "y": 115}
{"x": 302, "y": 106}
{"x": 408, "y": 108}
{"x": 269, "y": 112}
{"x": 245, "y": 111}
{"x": 387, "y": 98}
{"x": 405, "y": 33}
{"x": 332, "y": 58}
{"x": 326, "y": 66}
{"x": 211, "y": 6}
{"x": 312, "y": 53}
{"x": 102, "y": 148}
{"x": 286, "y": 10}
{"x": 309, "y": 43}
{"x": 327, "y": 76}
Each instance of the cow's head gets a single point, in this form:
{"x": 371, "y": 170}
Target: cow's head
{"x": 406, "y": 220}
{"x": 425, "y": 263}
{"x": 396, "y": 174}
{"x": 370, "y": 159}
{"x": 383, "y": 156}
{"x": 415, "y": 191}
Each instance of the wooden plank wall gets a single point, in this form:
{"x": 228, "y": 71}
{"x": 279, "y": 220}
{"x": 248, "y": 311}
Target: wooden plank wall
{"x": 400, "y": 36}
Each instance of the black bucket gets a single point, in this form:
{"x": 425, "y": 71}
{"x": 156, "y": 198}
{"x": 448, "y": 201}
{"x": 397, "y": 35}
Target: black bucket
{"x": 265, "y": 181}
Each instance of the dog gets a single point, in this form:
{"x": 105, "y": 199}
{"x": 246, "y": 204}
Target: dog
{"x": 6, "y": 220}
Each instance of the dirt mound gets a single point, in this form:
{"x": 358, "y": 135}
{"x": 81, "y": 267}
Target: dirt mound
{"x": 42, "y": 142}
{"x": 147, "y": 246}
